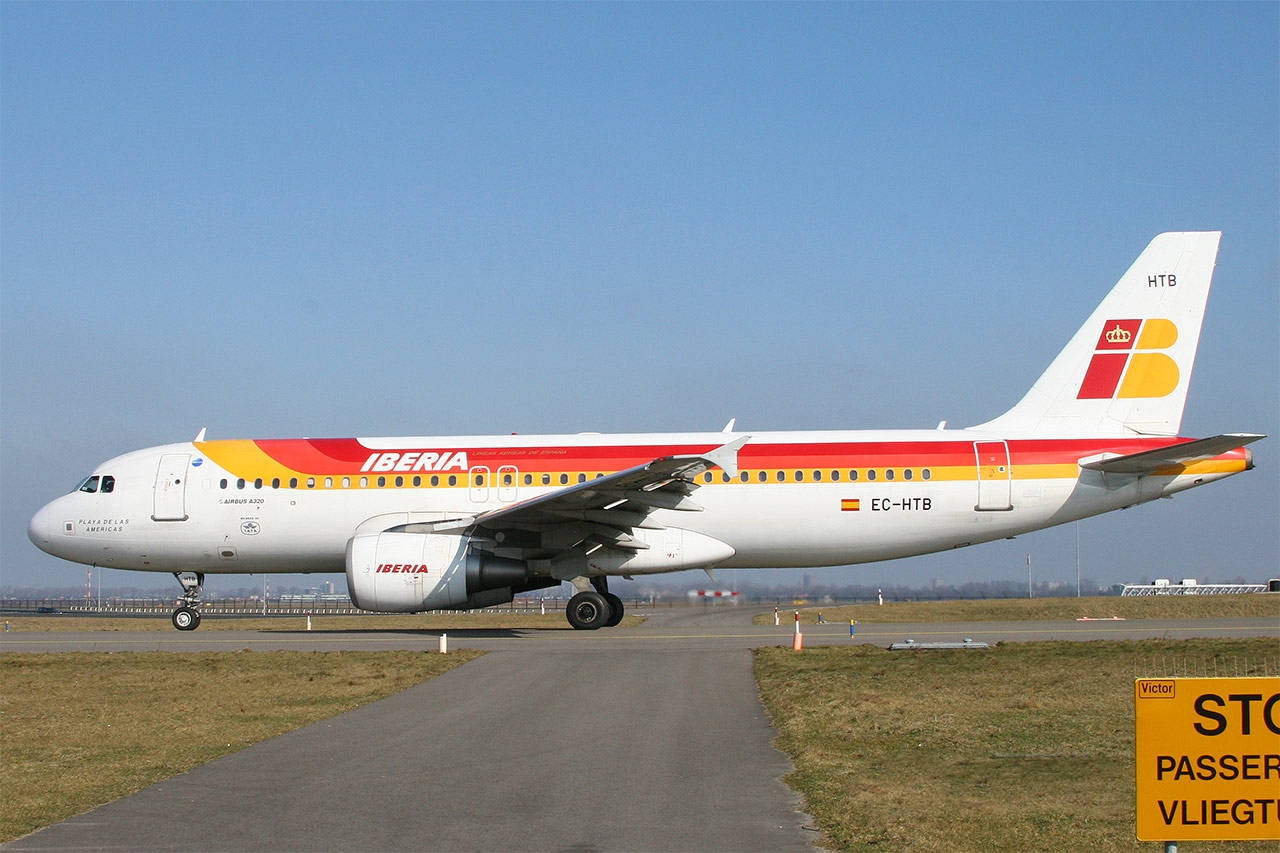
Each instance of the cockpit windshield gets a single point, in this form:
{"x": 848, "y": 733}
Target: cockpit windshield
{"x": 104, "y": 484}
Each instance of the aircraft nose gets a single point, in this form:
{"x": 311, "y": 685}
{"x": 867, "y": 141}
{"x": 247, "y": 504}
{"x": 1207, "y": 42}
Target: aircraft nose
{"x": 40, "y": 529}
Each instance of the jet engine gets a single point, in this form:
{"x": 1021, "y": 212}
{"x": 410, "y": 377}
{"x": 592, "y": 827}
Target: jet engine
{"x": 412, "y": 572}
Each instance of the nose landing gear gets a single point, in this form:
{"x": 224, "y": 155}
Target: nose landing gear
{"x": 187, "y": 616}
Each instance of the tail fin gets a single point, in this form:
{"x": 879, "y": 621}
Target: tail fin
{"x": 1127, "y": 369}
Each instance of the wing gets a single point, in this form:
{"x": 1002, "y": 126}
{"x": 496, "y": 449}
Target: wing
{"x": 583, "y": 518}
{"x": 1187, "y": 453}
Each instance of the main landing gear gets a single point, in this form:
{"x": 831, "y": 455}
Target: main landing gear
{"x": 593, "y": 606}
{"x": 187, "y": 617}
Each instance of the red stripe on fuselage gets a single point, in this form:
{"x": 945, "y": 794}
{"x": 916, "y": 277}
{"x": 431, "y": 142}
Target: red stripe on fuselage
{"x": 346, "y": 456}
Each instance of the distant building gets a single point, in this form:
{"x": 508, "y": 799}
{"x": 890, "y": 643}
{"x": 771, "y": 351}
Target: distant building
{"x": 1190, "y": 586}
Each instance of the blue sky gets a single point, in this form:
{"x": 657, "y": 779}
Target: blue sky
{"x": 380, "y": 219}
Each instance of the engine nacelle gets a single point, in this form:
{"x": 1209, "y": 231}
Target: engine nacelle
{"x": 412, "y": 572}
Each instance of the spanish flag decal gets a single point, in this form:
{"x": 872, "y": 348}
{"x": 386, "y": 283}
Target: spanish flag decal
{"x": 850, "y": 505}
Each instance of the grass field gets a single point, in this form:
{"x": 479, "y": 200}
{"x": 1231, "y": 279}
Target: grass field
{"x": 1048, "y": 609}
{"x": 1027, "y": 746}
{"x": 380, "y": 622}
{"x": 79, "y": 730}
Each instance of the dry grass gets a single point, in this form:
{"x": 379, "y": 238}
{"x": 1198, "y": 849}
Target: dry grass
{"x": 1025, "y": 747}
{"x": 1255, "y": 605}
{"x": 379, "y": 622}
{"x": 79, "y": 730}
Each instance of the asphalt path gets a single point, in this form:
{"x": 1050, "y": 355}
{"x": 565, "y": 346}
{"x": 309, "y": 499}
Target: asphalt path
{"x": 560, "y": 740}
{"x": 539, "y": 746}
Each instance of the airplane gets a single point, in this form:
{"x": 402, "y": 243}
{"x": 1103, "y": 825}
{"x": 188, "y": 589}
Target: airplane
{"x": 463, "y": 522}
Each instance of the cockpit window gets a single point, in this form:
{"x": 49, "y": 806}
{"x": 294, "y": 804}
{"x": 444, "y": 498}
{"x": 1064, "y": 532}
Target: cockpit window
{"x": 104, "y": 484}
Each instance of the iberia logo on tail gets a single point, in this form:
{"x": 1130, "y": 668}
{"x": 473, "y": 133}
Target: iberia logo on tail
{"x": 1128, "y": 361}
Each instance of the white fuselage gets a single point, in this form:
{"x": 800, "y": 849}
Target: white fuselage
{"x": 798, "y": 498}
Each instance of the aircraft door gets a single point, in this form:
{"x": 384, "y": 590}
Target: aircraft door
{"x": 995, "y": 476}
{"x": 171, "y": 488}
{"x": 508, "y": 478}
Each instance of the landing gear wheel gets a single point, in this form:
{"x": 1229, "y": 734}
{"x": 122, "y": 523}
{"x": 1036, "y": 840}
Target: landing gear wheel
{"x": 186, "y": 619}
{"x": 588, "y": 611}
{"x": 616, "y": 608}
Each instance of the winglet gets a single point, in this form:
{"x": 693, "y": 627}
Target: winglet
{"x": 200, "y": 436}
{"x": 726, "y": 455}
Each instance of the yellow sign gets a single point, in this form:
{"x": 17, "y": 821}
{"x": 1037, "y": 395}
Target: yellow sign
{"x": 1208, "y": 758}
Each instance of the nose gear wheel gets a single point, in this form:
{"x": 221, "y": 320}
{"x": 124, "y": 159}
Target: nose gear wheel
{"x": 187, "y": 616}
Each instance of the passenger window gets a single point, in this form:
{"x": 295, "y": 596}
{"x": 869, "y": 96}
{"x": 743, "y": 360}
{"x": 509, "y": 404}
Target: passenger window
{"x": 311, "y": 482}
{"x": 240, "y": 483}
{"x": 853, "y": 475}
{"x": 724, "y": 478}
{"x": 293, "y": 482}
{"x": 763, "y": 476}
{"x": 328, "y": 482}
{"x": 908, "y": 474}
{"x": 871, "y": 475}
{"x": 364, "y": 482}
{"x": 222, "y": 484}
{"x": 108, "y": 484}
{"x": 453, "y": 479}
{"x": 257, "y": 484}
{"x": 782, "y": 476}
{"x": 927, "y": 474}
{"x": 564, "y": 478}
{"x": 346, "y": 482}
{"x": 706, "y": 478}
{"x": 817, "y": 476}
{"x": 417, "y": 481}
{"x": 546, "y": 479}
{"x": 382, "y": 482}
{"x": 582, "y": 478}
{"x": 799, "y": 476}
{"x": 528, "y": 479}
{"x": 435, "y": 479}
{"x": 888, "y": 475}
{"x": 744, "y": 476}
{"x": 835, "y": 476}
{"x": 90, "y": 485}
{"x": 399, "y": 482}
{"x": 506, "y": 479}
{"x": 275, "y": 482}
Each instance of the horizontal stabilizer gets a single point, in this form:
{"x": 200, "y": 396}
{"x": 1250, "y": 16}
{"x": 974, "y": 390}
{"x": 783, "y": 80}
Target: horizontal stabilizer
{"x": 1190, "y": 452}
